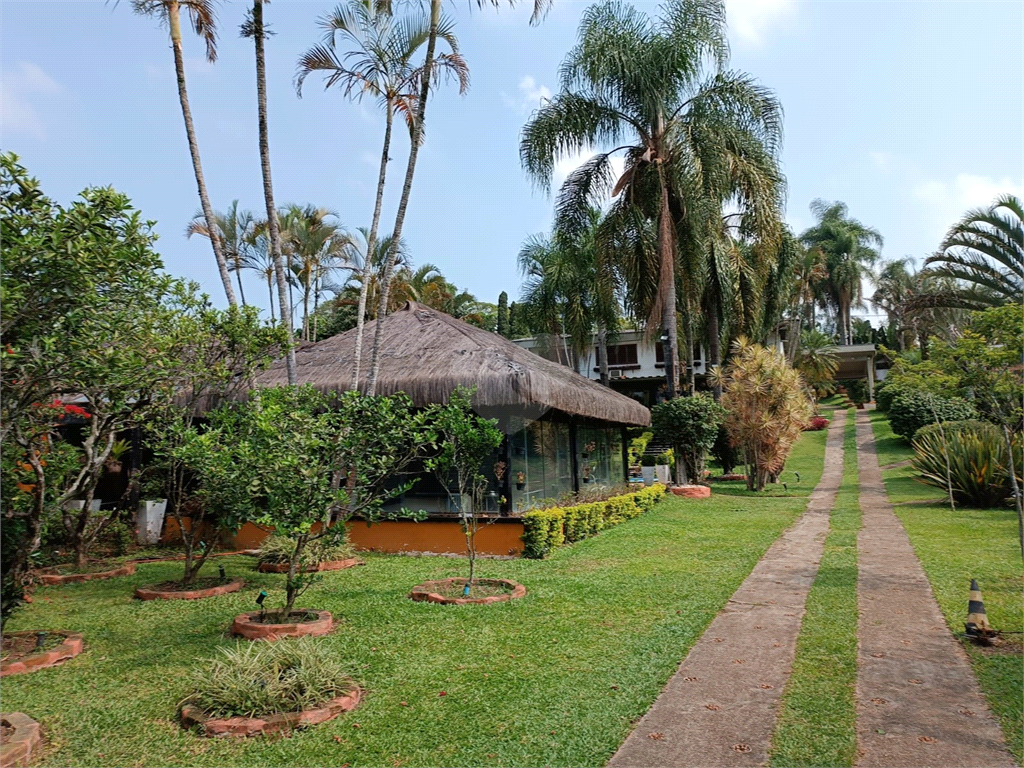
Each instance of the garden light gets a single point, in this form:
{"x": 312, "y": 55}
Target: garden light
{"x": 223, "y": 575}
{"x": 40, "y": 639}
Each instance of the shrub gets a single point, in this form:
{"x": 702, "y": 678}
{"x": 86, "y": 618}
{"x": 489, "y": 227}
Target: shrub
{"x": 666, "y": 458}
{"x": 856, "y": 390}
{"x": 977, "y": 461}
{"x": 647, "y": 460}
{"x": 277, "y": 549}
{"x": 637, "y": 446}
{"x": 816, "y": 423}
{"x": 548, "y": 529}
{"x": 691, "y": 425}
{"x": 267, "y": 678}
{"x": 912, "y": 410}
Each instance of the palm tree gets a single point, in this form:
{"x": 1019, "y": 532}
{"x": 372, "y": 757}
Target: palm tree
{"x": 690, "y": 140}
{"x": 359, "y": 275}
{"x": 912, "y": 302}
{"x": 817, "y": 362}
{"x": 849, "y": 251}
{"x": 808, "y": 274}
{"x": 204, "y": 22}
{"x": 986, "y": 250}
{"x": 378, "y": 65}
{"x": 253, "y": 27}
{"x": 233, "y": 229}
{"x": 262, "y": 261}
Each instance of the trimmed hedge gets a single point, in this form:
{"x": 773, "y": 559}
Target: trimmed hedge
{"x": 548, "y": 529}
{"x": 912, "y": 410}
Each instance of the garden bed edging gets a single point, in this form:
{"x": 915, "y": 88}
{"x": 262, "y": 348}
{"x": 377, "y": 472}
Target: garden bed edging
{"x": 73, "y": 645}
{"x": 17, "y": 750}
{"x": 241, "y": 727}
{"x": 145, "y": 593}
{"x": 56, "y": 579}
{"x": 248, "y": 625}
{"x": 330, "y": 565}
{"x": 424, "y": 592}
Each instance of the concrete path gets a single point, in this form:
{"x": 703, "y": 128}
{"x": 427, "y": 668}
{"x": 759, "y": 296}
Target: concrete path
{"x": 918, "y": 703}
{"x": 720, "y": 707}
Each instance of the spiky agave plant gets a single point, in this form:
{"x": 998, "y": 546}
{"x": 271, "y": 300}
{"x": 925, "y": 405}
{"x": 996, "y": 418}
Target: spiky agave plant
{"x": 767, "y": 408}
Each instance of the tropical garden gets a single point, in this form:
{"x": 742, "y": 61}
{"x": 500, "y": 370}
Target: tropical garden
{"x": 117, "y": 374}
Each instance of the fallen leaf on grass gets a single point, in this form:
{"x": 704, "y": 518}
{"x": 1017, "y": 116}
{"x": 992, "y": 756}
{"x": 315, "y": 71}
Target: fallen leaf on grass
{"x": 403, "y": 703}
{"x": 337, "y": 739}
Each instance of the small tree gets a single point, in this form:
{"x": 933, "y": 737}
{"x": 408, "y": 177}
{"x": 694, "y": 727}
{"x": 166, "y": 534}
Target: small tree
{"x": 304, "y": 463}
{"x": 465, "y": 440}
{"x": 766, "y": 409}
{"x": 691, "y": 425}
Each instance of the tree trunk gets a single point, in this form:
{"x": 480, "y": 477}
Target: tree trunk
{"x": 922, "y": 342}
{"x": 273, "y": 225}
{"x": 290, "y": 587}
{"x": 241, "y": 290}
{"x": 691, "y": 375}
{"x": 714, "y": 340}
{"x": 602, "y": 354}
{"x": 174, "y": 22}
{"x": 371, "y": 244}
{"x": 667, "y": 286}
{"x": 270, "y": 291}
{"x": 417, "y": 135}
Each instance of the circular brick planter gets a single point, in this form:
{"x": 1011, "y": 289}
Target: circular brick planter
{"x": 426, "y": 592}
{"x": 56, "y": 579}
{"x": 16, "y": 749}
{"x": 73, "y": 645}
{"x": 240, "y": 727}
{"x": 145, "y": 593}
{"x": 692, "y": 491}
{"x": 330, "y": 565}
{"x": 727, "y": 478}
{"x": 249, "y": 626}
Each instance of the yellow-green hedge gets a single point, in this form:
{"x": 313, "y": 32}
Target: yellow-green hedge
{"x": 548, "y": 529}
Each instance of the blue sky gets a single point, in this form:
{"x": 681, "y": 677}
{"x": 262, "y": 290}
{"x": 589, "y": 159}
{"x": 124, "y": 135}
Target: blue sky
{"x": 910, "y": 112}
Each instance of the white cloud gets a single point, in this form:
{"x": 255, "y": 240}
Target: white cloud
{"x": 531, "y": 95}
{"x": 947, "y": 201}
{"x": 750, "y": 20}
{"x": 24, "y": 86}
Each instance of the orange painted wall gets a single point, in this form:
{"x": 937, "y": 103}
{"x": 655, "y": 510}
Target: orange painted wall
{"x": 391, "y": 536}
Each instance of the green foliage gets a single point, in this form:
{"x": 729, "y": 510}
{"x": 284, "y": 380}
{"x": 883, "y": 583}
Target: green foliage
{"x": 856, "y": 389}
{"x": 277, "y": 549}
{"x": 914, "y": 409}
{"x": 666, "y": 458}
{"x": 122, "y": 535}
{"x": 648, "y": 460}
{"x": 548, "y": 529}
{"x": 255, "y": 679}
{"x": 969, "y": 456}
{"x": 691, "y": 424}
{"x": 637, "y": 446}
{"x": 503, "y": 326}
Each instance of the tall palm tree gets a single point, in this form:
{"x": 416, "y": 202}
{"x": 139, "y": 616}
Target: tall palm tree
{"x": 850, "y": 249}
{"x": 261, "y": 260}
{"x": 912, "y": 303}
{"x": 985, "y": 249}
{"x": 379, "y": 64}
{"x": 254, "y": 28}
{"x": 204, "y": 22}
{"x": 355, "y": 261}
{"x": 642, "y": 87}
{"x": 234, "y": 229}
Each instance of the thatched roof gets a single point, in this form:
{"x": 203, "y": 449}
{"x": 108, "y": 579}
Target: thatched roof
{"x": 427, "y": 354}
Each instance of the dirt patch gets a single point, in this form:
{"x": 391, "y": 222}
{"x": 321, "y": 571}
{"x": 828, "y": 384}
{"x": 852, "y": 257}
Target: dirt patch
{"x": 450, "y": 591}
{"x": 721, "y": 706}
{"x": 907, "y": 658}
{"x": 207, "y": 582}
{"x": 14, "y": 648}
{"x": 479, "y": 589}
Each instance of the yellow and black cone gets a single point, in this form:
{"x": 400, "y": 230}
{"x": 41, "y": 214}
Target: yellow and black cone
{"x": 977, "y": 621}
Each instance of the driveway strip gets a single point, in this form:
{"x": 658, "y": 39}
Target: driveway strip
{"x": 918, "y": 703}
{"x": 721, "y": 706}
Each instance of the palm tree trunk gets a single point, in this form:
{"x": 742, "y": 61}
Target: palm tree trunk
{"x": 417, "y": 135}
{"x": 691, "y": 376}
{"x": 270, "y": 291}
{"x": 174, "y": 22}
{"x": 305, "y": 303}
{"x": 241, "y": 290}
{"x": 273, "y": 225}
{"x": 602, "y": 353}
{"x": 666, "y": 252}
{"x": 316, "y": 302}
{"x": 371, "y": 245}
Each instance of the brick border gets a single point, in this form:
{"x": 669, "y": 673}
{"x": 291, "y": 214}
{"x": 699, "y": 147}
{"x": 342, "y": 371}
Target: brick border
{"x": 245, "y": 626}
{"x": 17, "y": 750}
{"x": 241, "y": 727}
{"x": 73, "y": 645}
{"x": 145, "y": 593}
{"x": 424, "y": 592}
{"x": 56, "y": 579}
{"x": 692, "y": 491}
{"x": 329, "y": 565}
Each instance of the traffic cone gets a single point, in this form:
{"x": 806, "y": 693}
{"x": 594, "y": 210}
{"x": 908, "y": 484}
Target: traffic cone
{"x": 977, "y": 621}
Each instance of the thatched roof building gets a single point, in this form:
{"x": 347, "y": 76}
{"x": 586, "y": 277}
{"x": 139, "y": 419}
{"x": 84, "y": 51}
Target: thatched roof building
{"x": 428, "y": 354}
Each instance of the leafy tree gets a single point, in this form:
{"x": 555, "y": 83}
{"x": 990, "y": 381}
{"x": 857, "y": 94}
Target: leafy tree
{"x": 908, "y": 299}
{"x": 304, "y": 463}
{"x": 503, "y": 320}
{"x": 850, "y": 249}
{"x": 465, "y": 443}
{"x": 817, "y": 361}
{"x": 691, "y": 424}
{"x": 204, "y": 21}
{"x": 767, "y": 409}
{"x": 985, "y": 249}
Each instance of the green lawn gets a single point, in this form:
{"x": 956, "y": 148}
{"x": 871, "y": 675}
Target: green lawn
{"x": 556, "y": 678}
{"x": 817, "y": 720}
{"x": 806, "y": 459}
{"x": 955, "y": 547}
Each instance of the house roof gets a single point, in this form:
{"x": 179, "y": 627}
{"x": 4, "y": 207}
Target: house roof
{"x": 428, "y": 354}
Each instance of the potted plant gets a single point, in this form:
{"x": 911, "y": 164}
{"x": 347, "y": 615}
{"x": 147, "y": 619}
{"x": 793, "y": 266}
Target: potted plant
{"x": 520, "y": 480}
{"x": 117, "y": 450}
{"x": 663, "y": 466}
{"x": 647, "y": 465}
{"x": 149, "y": 515}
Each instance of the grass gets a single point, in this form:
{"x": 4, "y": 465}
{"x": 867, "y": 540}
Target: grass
{"x": 806, "y": 459}
{"x": 556, "y": 678}
{"x": 817, "y": 718}
{"x": 955, "y": 547}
